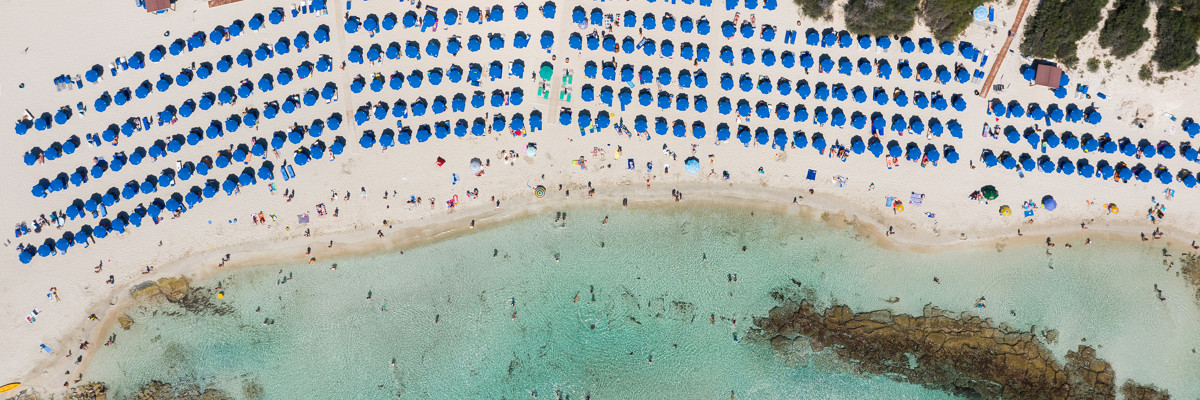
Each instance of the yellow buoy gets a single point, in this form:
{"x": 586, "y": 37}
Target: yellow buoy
{"x": 10, "y": 386}
{"x": 220, "y": 295}
{"x": 1112, "y": 208}
{"x": 899, "y": 207}
{"x": 1005, "y": 210}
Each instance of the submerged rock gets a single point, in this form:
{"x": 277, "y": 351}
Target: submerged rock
{"x": 87, "y": 391}
{"x": 1134, "y": 391}
{"x": 963, "y": 355}
{"x": 174, "y": 289}
{"x": 156, "y": 390}
{"x": 125, "y": 321}
{"x": 1190, "y": 267}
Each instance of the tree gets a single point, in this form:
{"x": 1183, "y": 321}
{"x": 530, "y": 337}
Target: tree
{"x": 948, "y": 18}
{"x": 1057, "y": 25}
{"x": 814, "y": 8}
{"x": 1123, "y": 32}
{"x": 880, "y": 17}
{"x": 1177, "y": 32}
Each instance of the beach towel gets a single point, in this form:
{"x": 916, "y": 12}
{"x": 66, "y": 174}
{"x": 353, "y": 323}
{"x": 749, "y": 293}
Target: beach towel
{"x": 839, "y": 181}
{"x": 916, "y": 198}
{"x": 1028, "y": 213}
{"x": 812, "y": 175}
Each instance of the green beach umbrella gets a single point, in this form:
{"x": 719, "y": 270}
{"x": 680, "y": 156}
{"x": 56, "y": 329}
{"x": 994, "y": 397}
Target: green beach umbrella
{"x": 989, "y": 192}
{"x": 547, "y": 72}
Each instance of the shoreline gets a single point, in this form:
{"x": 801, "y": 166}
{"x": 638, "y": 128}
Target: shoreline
{"x": 447, "y": 225}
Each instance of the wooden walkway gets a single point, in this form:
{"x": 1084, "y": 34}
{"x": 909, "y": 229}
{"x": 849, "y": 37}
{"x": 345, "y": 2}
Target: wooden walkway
{"x": 1012, "y": 33}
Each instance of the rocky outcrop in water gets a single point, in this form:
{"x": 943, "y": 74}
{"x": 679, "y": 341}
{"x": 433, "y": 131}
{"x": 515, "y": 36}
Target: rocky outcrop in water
{"x": 1134, "y": 391}
{"x": 197, "y": 300}
{"x": 174, "y": 289}
{"x": 1190, "y": 268}
{"x": 87, "y": 391}
{"x": 963, "y": 355}
{"x": 156, "y": 390}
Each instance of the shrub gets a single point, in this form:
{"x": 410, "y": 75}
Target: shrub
{"x": 880, "y": 17}
{"x": 948, "y": 18}
{"x": 1145, "y": 73}
{"x": 1123, "y": 32}
{"x": 1177, "y": 32}
{"x": 814, "y": 8}
{"x": 1093, "y": 64}
{"x": 1057, "y": 25}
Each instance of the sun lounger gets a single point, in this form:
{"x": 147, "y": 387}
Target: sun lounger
{"x": 291, "y": 172}
{"x": 283, "y": 172}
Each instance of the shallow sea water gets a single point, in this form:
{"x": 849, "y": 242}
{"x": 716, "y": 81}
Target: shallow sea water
{"x": 659, "y": 280}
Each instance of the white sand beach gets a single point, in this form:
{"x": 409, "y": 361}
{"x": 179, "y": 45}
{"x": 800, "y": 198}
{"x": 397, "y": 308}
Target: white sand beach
{"x": 45, "y": 40}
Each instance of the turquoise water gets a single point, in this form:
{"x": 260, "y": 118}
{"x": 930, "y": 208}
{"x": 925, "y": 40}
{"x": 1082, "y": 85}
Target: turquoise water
{"x": 659, "y": 281}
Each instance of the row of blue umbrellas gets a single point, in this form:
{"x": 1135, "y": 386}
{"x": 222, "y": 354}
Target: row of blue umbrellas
{"x": 434, "y": 76}
{"x": 410, "y": 19}
{"x": 843, "y": 39}
{"x": 750, "y": 4}
{"x": 1053, "y": 112}
{"x": 53, "y": 151}
{"x": 131, "y": 189}
{"x": 1104, "y": 144}
{"x": 161, "y": 148}
{"x": 175, "y": 202}
{"x": 203, "y": 71}
{"x": 1103, "y": 169}
{"x": 419, "y": 107}
{"x": 444, "y": 129}
{"x": 199, "y": 39}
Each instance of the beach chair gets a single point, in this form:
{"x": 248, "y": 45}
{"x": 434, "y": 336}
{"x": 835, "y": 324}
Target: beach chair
{"x": 283, "y": 172}
{"x": 291, "y": 172}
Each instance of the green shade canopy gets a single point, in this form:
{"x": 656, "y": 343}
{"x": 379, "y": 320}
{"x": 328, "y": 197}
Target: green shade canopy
{"x": 547, "y": 72}
{"x": 989, "y": 192}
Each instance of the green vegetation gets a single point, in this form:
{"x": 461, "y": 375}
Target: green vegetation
{"x": 1093, "y": 64}
{"x": 880, "y": 17}
{"x": 1057, "y": 25}
{"x": 1123, "y": 33}
{"x": 1145, "y": 73}
{"x": 814, "y": 8}
{"x": 948, "y": 18}
{"x": 1177, "y": 31}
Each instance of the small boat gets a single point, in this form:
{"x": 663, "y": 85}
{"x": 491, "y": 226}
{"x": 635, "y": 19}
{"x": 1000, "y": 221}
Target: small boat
{"x": 10, "y": 386}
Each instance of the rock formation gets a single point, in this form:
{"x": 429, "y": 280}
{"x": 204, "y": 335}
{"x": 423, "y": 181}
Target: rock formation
{"x": 174, "y": 289}
{"x": 156, "y": 390}
{"x": 963, "y": 355}
{"x": 1133, "y": 391}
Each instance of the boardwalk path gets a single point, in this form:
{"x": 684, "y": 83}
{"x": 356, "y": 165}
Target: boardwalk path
{"x": 1012, "y": 33}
